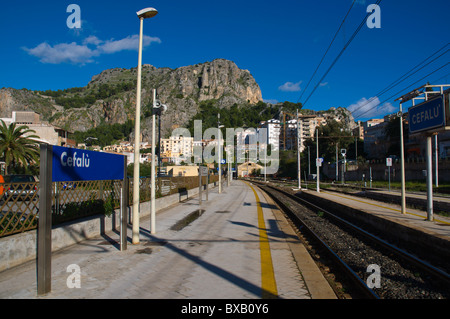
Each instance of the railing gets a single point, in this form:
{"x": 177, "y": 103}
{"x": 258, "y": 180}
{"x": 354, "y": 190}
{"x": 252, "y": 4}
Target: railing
{"x": 18, "y": 207}
{"x": 19, "y": 202}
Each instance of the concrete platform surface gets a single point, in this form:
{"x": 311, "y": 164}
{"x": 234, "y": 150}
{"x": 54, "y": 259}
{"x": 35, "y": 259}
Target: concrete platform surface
{"x": 239, "y": 247}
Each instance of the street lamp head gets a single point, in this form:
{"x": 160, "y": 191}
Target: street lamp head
{"x": 147, "y": 13}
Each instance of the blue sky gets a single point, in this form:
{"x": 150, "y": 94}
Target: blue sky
{"x": 280, "y": 42}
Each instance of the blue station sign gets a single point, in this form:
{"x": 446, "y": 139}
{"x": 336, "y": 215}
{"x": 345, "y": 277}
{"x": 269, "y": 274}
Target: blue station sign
{"x": 427, "y": 116}
{"x": 71, "y": 164}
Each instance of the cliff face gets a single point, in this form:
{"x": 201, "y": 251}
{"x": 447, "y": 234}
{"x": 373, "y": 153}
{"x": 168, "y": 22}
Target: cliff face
{"x": 25, "y": 100}
{"x": 110, "y": 97}
{"x": 219, "y": 79}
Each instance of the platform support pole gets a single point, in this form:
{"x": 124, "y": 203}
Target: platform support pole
{"x": 429, "y": 179}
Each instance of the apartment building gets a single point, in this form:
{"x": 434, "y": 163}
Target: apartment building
{"x": 358, "y": 131}
{"x": 273, "y": 128}
{"x": 308, "y": 125}
{"x": 177, "y": 146}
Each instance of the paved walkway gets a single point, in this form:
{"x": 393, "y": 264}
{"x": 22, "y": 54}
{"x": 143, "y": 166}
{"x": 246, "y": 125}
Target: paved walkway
{"x": 219, "y": 255}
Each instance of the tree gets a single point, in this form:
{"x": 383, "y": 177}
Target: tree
{"x": 17, "y": 146}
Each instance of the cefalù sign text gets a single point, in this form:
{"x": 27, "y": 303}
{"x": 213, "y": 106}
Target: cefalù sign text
{"x": 71, "y": 164}
{"x": 427, "y": 116}
{"x": 75, "y": 161}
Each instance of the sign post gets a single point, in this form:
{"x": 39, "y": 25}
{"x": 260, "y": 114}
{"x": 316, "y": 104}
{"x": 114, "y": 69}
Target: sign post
{"x": 344, "y": 168}
{"x": 202, "y": 171}
{"x": 429, "y": 117}
{"x": 123, "y": 208}
{"x": 62, "y": 164}
{"x": 200, "y": 185}
{"x": 389, "y": 164}
{"x": 429, "y": 180}
{"x": 44, "y": 246}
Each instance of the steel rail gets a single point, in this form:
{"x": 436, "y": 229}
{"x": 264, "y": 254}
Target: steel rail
{"x": 362, "y": 287}
{"x": 419, "y": 263}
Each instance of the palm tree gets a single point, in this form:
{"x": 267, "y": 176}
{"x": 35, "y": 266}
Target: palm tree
{"x": 17, "y": 146}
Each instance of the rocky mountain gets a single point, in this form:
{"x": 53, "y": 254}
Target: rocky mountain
{"x": 110, "y": 97}
{"x": 339, "y": 114}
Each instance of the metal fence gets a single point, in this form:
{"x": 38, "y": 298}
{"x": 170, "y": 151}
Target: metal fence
{"x": 19, "y": 202}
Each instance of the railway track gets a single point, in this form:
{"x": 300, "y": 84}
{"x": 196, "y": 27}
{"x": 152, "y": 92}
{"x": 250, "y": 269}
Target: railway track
{"x": 367, "y": 266}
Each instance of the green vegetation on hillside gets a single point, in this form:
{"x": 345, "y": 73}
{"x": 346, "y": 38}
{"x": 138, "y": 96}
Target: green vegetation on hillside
{"x": 106, "y": 134}
{"x": 84, "y": 97}
{"x": 246, "y": 115}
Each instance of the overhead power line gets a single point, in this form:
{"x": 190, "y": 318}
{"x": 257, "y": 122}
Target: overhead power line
{"x": 328, "y": 49}
{"x": 340, "y": 54}
{"x": 404, "y": 77}
{"x": 399, "y": 92}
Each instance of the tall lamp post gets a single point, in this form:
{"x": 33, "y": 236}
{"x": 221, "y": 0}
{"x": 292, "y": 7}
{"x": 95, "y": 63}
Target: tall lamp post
{"x": 317, "y": 161}
{"x": 142, "y": 14}
{"x": 299, "y": 144}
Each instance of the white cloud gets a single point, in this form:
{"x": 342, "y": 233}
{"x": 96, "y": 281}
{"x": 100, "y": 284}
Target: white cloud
{"x": 290, "y": 87}
{"x": 129, "y": 43}
{"x": 91, "y": 47}
{"x": 271, "y": 101}
{"x": 323, "y": 84}
{"x": 92, "y": 40}
{"x": 371, "y": 108}
{"x": 63, "y": 52}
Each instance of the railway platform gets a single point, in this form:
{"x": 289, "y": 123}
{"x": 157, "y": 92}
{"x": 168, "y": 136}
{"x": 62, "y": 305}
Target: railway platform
{"x": 413, "y": 218}
{"x": 236, "y": 245}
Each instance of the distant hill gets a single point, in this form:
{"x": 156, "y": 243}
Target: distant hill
{"x": 110, "y": 97}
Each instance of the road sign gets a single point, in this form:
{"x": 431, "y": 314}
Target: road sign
{"x": 71, "y": 164}
{"x": 389, "y": 161}
{"x": 223, "y": 161}
{"x": 319, "y": 161}
{"x": 203, "y": 170}
{"x": 427, "y": 116}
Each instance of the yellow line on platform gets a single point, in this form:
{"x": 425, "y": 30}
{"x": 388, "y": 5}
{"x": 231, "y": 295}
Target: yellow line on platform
{"x": 268, "y": 283}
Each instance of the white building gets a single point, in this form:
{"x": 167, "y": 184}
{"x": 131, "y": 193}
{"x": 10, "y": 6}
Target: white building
{"x": 47, "y": 133}
{"x": 308, "y": 125}
{"x": 273, "y": 132}
{"x": 177, "y": 146}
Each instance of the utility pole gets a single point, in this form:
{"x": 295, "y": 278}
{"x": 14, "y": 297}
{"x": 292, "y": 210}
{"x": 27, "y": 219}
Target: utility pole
{"x": 299, "y": 173}
{"x": 402, "y": 159}
{"x": 317, "y": 160}
{"x": 153, "y": 180}
{"x": 337, "y": 163}
{"x": 436, "y": 159}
